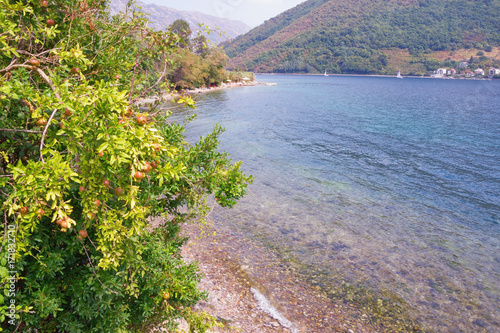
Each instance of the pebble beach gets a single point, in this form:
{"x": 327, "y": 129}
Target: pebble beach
{"x": 269, "y": 297}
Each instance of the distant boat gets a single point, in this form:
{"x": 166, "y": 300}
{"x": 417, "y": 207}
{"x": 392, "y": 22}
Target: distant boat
{"x": 326, "y": 74}
{"x": 399, "y": 75}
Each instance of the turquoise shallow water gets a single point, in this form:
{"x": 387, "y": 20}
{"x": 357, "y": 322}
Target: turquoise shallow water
{"x": 391, "y": 183}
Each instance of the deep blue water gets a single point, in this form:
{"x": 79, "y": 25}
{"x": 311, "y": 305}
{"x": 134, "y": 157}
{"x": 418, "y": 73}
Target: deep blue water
{"x": 395, "y": 183}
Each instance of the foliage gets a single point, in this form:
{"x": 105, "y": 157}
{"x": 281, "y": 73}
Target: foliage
{"x": 196, "y": 65}
{"x": 200, "y": 45}
{"x": 238, "y": 76}
{"x": 84, "y": 171}
{"x": 181, "y": 28}
{"x": 350, "y": 37}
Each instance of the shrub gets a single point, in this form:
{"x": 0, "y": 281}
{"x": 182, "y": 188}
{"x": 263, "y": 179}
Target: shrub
{"x": 83, "y": 170}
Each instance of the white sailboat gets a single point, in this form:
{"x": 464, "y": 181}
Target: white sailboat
{"x": 399, "y": 75}
{"x": 326, "y": 74}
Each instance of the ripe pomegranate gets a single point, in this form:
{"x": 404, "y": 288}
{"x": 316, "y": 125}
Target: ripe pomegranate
{"x": 141, "y": 120}
{"x": 34, "y": 62}
{"x": 41, "y": 122}
{"x": 138, "y": 175}
{"x": 40, "y": 212}
{"x": 147, "y": 167}
{"x": 118, "y": 191}
{"x": 24, "y": 210}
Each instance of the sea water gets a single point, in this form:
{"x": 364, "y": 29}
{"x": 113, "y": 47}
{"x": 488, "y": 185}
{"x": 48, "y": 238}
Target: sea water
{"x": 386, "y": 183}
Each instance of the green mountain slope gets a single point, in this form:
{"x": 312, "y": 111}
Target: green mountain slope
{"x": 359, "y": 36}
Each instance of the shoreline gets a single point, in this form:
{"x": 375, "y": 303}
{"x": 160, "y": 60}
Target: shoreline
{"x": 294, "y": 305}
{"x": 193, "y": 92}
{"x": 384, "y": 76}
{"x": 230, "y": 297}
{"x": 167, "y": 97}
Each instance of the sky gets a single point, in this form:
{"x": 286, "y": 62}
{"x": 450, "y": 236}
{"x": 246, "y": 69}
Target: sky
{"x": 251, "y": 12}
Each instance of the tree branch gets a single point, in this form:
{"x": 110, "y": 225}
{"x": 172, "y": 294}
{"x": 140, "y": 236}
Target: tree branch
{"x": 49, "y": 82}
{"x": 95, "y": 274}
{"x": 45, "y": 132}
{"x": 133, "y": 76}
{"x": 38, "y": 70}
{"x": 36, "y": 55}
{"x": 154, "y": 85}
{"x": 12, "y": 66}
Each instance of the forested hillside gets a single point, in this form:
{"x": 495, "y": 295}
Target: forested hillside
{"x": 360, "y": 36}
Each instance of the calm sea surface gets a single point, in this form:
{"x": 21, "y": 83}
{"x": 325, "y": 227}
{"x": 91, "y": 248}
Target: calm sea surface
{"x": 391, "y": 184}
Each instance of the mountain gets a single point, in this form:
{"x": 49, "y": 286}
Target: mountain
{"x": 368, "y": 36}
{"x": 161, "y": 17}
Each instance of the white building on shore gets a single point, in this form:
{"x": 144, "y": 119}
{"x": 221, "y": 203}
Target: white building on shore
{"x": 440, "y": 72}
{"x": 494, "y": 71}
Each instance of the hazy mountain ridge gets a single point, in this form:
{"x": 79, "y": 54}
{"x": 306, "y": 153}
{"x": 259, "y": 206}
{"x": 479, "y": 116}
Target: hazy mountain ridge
{"x": 351, "y": 36}
{"x": 161, "y": 17}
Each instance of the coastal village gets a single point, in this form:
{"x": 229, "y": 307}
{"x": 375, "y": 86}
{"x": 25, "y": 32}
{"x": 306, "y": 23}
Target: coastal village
{"x": 465, "y": 72}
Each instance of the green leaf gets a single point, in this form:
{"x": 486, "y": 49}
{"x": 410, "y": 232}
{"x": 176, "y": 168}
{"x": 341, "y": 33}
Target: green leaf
{"x": 102, "y": 147}
{"x": 4, "y": 272}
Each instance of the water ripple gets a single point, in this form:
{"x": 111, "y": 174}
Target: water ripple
{"x": 394, "y": 184}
